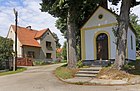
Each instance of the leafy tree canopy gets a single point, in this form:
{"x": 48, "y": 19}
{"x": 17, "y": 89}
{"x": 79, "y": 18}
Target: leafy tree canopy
{"x": 134, "y": 21}
{"x": 58, "y": 45}
{"x": 6, "y": 48}
{"x": 59, "y": 8}
{"x": 133, "y": 3}
{"x": 64, "y": 51}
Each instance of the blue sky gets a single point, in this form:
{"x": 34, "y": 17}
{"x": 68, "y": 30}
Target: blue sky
{"x": 29, "y": 14}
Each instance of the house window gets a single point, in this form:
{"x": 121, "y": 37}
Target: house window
{"x": 48, "y": 55}
{"x": 48, "y": 45}
{"x": 31, "y": 54}
{"x": 131, "y": 42}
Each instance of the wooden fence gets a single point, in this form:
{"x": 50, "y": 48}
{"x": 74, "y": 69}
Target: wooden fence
{"x": 24, "y": 62}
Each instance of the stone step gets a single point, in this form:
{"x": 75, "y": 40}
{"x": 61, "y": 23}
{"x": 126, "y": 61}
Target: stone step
{"x": 87, "y": 72}
{"x": 85, "y": 75}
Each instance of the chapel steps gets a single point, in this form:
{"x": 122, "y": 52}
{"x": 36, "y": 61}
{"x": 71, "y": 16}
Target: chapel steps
{"x": 88, "y": 72}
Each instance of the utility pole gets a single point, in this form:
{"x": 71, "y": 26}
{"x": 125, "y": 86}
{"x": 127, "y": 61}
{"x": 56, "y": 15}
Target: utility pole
{"x": 15, "y": 57}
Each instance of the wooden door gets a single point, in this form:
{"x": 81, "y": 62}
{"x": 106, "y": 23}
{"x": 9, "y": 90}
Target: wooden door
{"x": 102, "y": 46}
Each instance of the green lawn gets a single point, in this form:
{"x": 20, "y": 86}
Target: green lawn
{"x": 19, "y": 69}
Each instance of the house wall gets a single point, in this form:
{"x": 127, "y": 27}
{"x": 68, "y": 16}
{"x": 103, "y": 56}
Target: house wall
{"x": 11, "y": 35}
{"x": 36, "y": 51}
{"x": 108, "y": 18}
{"x": 90, "y": 46}
{"x": 47, "y": 37}
{"x": 131, "y": 52}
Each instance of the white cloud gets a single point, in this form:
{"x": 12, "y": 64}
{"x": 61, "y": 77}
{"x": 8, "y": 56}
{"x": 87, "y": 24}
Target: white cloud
{"x": 135, "y": 10}
{"x": 29, "y": 13}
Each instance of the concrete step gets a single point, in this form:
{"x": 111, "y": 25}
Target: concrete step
{"x": 85, "y": 75}
{"x": 87, "y": 72}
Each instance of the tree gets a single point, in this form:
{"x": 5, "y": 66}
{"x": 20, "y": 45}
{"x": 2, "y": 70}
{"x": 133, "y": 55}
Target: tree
{"x": 58, "y": 45}
{"x": 72, "y": 12}
{"x": 134, "y": 21}
{"x": 85, "y": 11}
{"x": 64, "y": 51}
{"x": 122, "y": 27}
{"x": 6, "y": 49}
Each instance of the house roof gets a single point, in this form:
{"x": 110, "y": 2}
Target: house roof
{"x": 130, "y": 26}
{"x": 28, "y": 36}
{"x": 59, "y": 50}
{"x": 40, "y": 33}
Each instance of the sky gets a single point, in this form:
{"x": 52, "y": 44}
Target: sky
{"x": 29, "y": 14}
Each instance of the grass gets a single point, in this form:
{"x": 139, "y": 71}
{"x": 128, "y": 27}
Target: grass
{"x": 19, "y": 69}
{"x": 65, "y": 73}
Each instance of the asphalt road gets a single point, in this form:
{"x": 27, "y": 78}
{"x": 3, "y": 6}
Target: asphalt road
{"x": 41, "y": 78}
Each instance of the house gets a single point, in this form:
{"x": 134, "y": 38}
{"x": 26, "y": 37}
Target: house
{"x": 59, "y": 54}
{"x": 97, "y": 37}
{"x": 39, "y": 45}
{"x": 59, "y": 50}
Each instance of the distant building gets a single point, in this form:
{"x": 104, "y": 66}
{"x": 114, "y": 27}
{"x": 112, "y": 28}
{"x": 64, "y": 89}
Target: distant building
{"x": 34, "y": 44}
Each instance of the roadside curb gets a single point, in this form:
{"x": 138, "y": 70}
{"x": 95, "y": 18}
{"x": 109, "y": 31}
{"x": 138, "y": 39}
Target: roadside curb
{"x": 99, "y": 82}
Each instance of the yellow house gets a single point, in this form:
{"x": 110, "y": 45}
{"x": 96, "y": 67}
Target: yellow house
{"x": 39, "y": 45}
{"x": 98, "y": 40}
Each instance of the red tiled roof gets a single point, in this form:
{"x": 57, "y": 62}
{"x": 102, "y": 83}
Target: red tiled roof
{"x": 59, "y": 50}
{"x": 27, "y": 36}
{"x": 40, "y": 33}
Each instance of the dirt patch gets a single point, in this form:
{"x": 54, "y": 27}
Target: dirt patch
{"x": 109, "y": 73}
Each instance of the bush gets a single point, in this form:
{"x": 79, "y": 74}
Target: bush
{"x": 39, "y": 63}
{"x": 63, "y": 61}
{"x": 128, "y": 67}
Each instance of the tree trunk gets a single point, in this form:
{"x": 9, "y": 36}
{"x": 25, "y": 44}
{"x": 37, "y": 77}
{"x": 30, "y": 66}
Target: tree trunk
{"x": 123, "y": 23}
{"x": 104, "y": 4}
{"x": 71, "y": 26}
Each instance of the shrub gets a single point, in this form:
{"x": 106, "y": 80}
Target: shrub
{"x": 39, "y": 62}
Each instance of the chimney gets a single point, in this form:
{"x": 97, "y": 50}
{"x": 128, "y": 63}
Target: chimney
{"x": 28, "y": 27}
